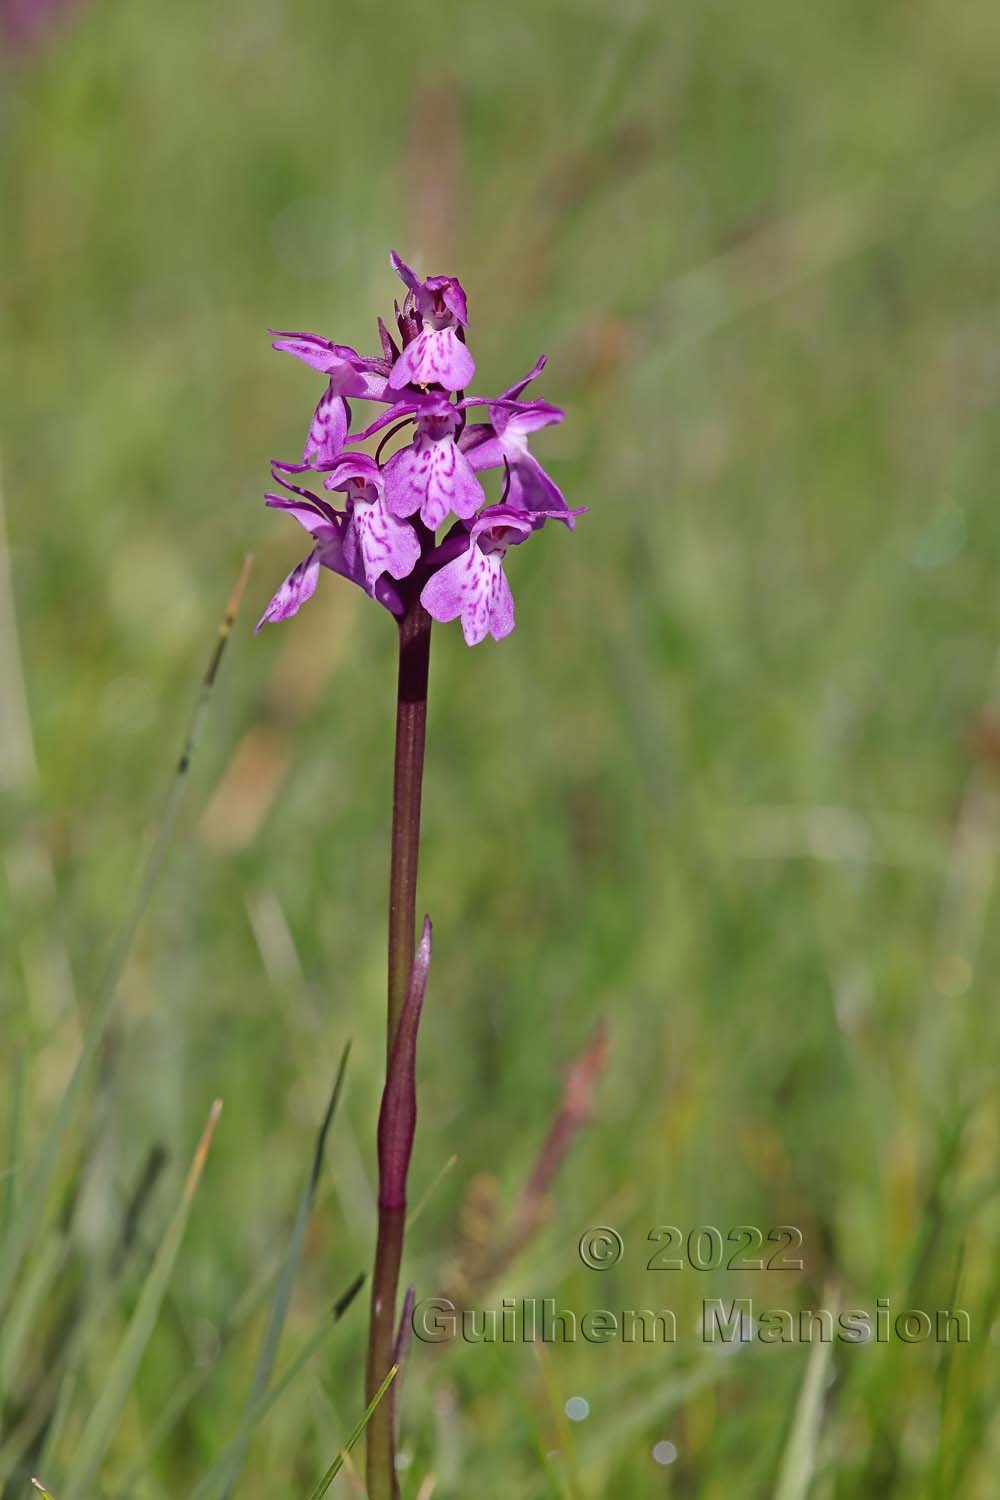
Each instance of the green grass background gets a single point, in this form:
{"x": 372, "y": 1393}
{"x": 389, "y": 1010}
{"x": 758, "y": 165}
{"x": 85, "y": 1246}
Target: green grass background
{"x": 731, "y": 785}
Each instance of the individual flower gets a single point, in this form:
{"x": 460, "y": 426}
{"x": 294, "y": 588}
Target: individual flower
{"x": 385, "y": 543}
{"x": 348, "y": 374}
{"x": 328, "y": 529}
{"x": 473, "y": 585}
{"x": 431, "y": 475}
{"x": 437, "y": 356}
{"x": 504, "y": 441}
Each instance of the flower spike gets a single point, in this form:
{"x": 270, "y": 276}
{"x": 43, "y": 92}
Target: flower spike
{"x": 384, "y": 538}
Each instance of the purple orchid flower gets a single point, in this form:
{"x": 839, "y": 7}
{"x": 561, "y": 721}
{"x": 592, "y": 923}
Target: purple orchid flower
{"x": 385, "y": 543}
{"x": 473, "y": 585}
{"x": 348, "y": 374}
{"x": 437, "y": 356}
{"x": 377, "y": 542}
{"x": 504, "y": 439}
{"x": 432, "y": 474}
{"x": 383, "y": 538}
{"x": 328, "y": 528}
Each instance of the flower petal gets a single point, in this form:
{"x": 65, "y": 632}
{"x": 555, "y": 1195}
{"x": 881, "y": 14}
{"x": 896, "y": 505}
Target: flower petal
{"x": 386, "y": 544}
{"x": 517, "y": 418}
{"x": 338, "y": 552}
{"x": 532, "y": 489}
{"x": 501, "y": 616}
{"x": 316, "y": 352}
{"x": 481, "y": 446}
{"x": 395, "y": 413}
{"x": 409, "y": 278}
{"x": 327, "y": 430}
{"x": 349, "y": 372}
{"x": 452, "y": 295}
{"x": 453, "y": 587}
{"x": 516, "y": 524}
{"x": 475, "y": 587}
{"x": 515, "y": 390}
{"x": 436, "y": 356}
{"x": 299, "y": 586}
{"x": 350, "y": 466}
{"x": 434, "y": 477}
{"x": 316, "y": 516}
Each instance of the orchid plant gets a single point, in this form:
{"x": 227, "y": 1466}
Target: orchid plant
{"x": 385, "y": 539}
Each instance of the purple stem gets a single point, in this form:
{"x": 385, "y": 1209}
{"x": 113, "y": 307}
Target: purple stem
{"x": 381, "y": 1460}
{"x": 411, "y": 722}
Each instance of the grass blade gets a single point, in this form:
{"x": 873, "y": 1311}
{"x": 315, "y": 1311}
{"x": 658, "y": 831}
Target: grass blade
{"x": 25, "y": 1229}
{"x": 219, "y": 1472}
{"x": 195, "y": 1378}
{"x": 798, "y": 1465}
{"x": 10, "y": 1190}
{"x": 286, "y": 1281}
{"x": 17, "y": 1327}
{"x": 118, "y": 1382}
{"x": 338, "y": 1462}
{"x": 15, "y": 1133}
{"x": 429, "y": 1191}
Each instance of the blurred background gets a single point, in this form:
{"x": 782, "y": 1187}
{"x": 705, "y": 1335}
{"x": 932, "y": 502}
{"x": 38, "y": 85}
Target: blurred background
{"x": 732, "y": 788}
